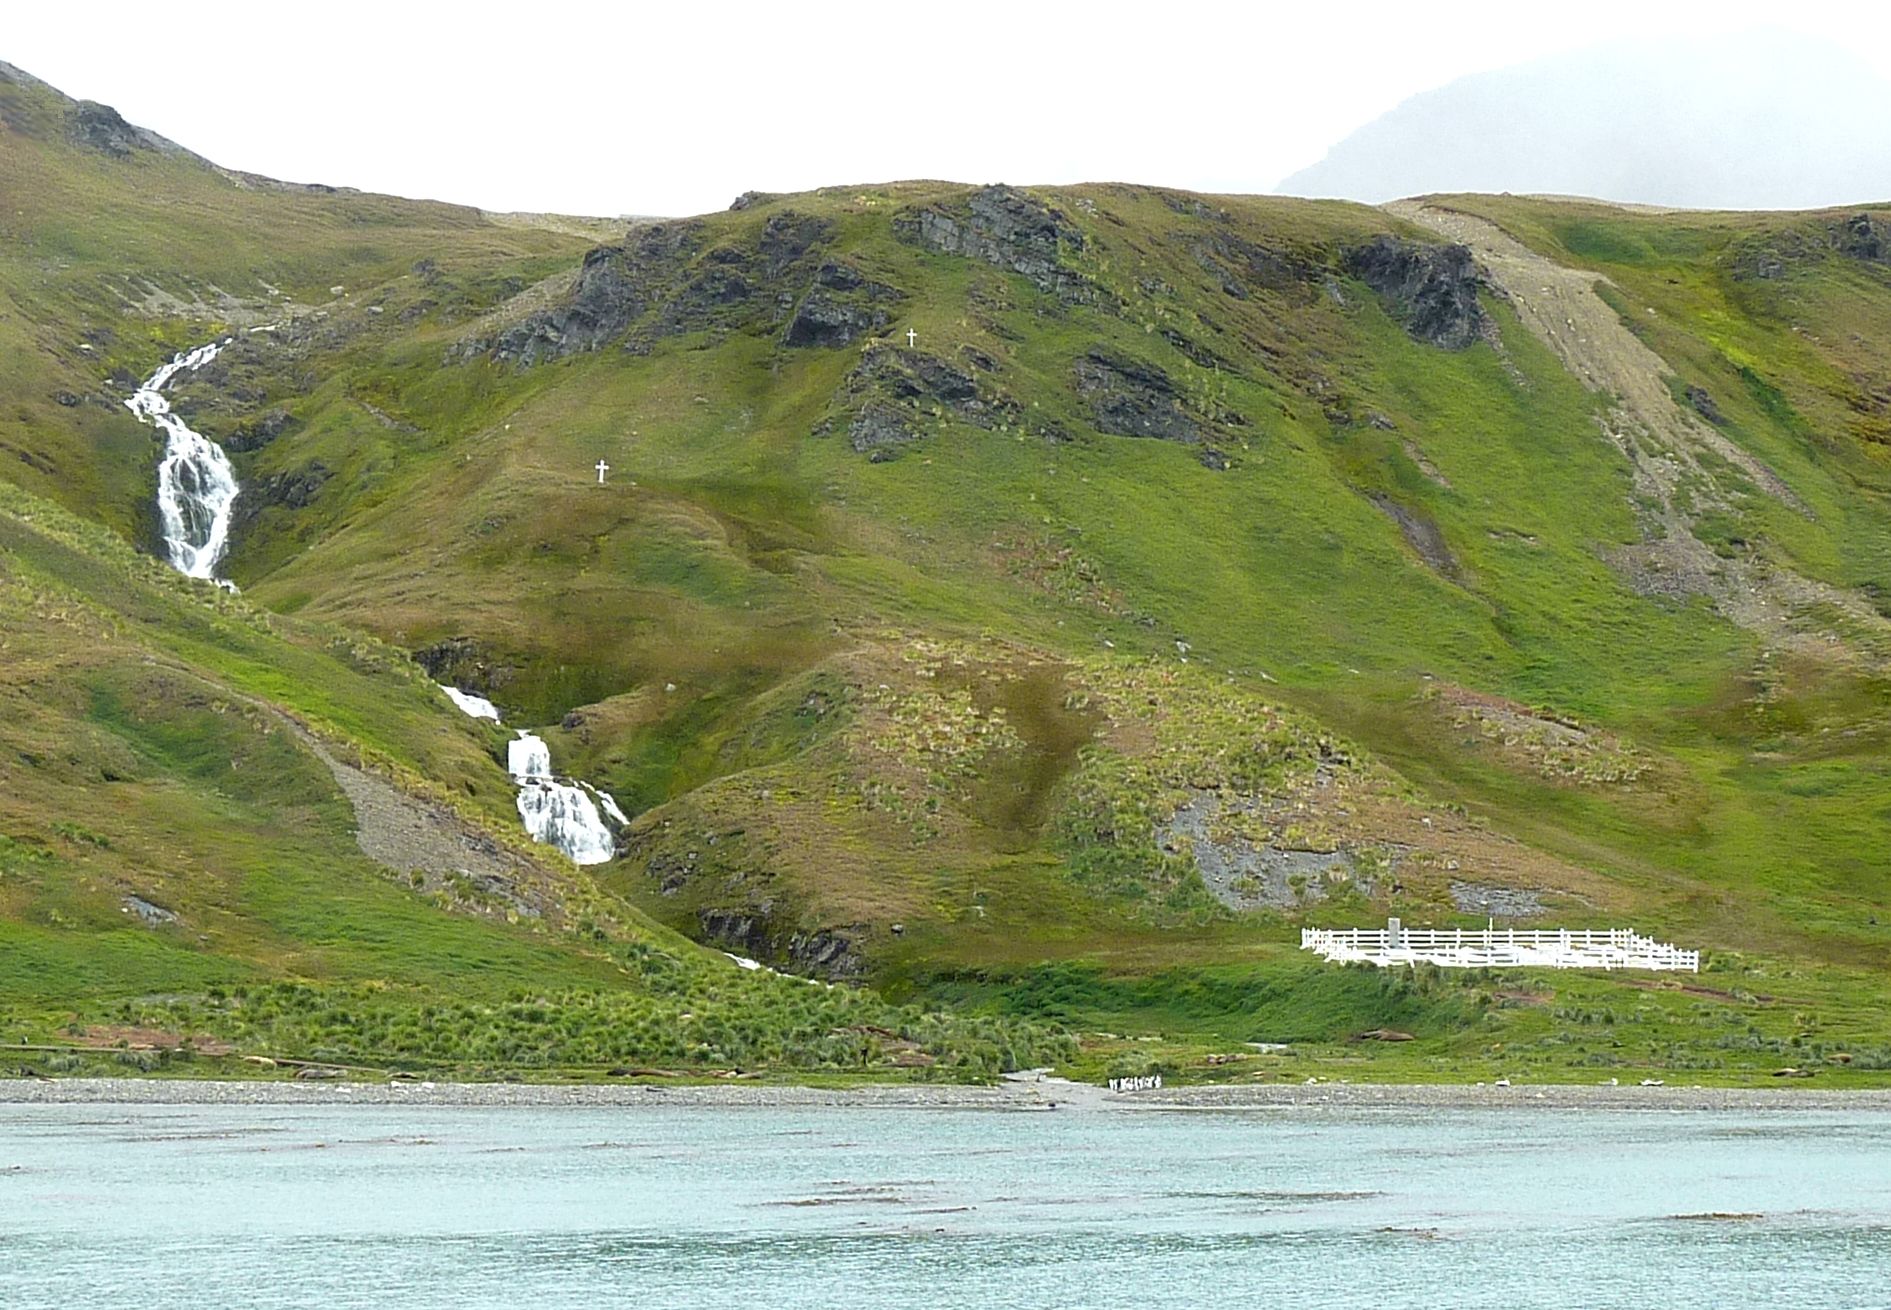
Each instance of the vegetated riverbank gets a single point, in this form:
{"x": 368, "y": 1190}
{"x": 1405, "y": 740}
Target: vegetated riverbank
{"x": 1023, "y": 1093}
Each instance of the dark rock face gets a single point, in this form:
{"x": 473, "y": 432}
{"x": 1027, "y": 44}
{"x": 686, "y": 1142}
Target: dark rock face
{"x": 750, "y": 199}
{"x": 1430, "y": 289}
{"x": 1007, "y": 228}
{"x": 258, "y": 432}
{"x": 901, "y": 391}
{"x": 823, "y": 952}
{"x": 787, "y": 236}
{"x": 844, "y": 306}
{"x": 1704, "y": 405}
{"x": 464, "y": 663}
{"x": 824, "y": 320}
{"x": 616, "y": 286}
{"x": 879, "y": 430}
{"x": 1864, "y": 237}
{"x": 293, "y": 489}
{"x": 1129, "y": 398}
{"x": 660, "y": 283}
{"x": 101, "y": 128}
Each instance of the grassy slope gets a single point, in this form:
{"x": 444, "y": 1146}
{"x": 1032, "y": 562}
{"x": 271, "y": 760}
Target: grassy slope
{"x": 146, "y": 740}
{"x": 737, "y": 553}
{"x": 744, "y": 566}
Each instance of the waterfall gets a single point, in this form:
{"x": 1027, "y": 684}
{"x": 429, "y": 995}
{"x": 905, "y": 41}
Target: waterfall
{"x": 196, "y": 485}
{"x": 477, "y": 707}
{"x": 559, "y": 813}
{"x": 556, "y": 812}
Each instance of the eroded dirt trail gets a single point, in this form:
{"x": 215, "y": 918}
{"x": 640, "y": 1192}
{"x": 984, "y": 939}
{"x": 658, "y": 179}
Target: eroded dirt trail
{"x": 1683, "y": 467}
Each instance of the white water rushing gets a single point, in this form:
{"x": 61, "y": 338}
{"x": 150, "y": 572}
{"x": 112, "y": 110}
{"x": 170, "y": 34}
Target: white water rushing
{"x": 477, "y": 707}
{"x": 556, "y": 812}
{"x": 196, "y": 485}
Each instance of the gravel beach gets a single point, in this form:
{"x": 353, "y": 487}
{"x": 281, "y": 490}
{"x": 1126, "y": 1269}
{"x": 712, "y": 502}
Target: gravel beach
{"x": 1029, "y": 1094}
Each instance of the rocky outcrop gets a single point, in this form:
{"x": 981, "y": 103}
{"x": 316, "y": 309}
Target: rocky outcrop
{"x": 101, "y": 128}
{"x": 291, "y": 490}
{"x": 1133, "y": 398}
{"x": 786, "y": 237}
{"x": 899, "y": 393}
{"x": 1420, "y": 533}
{"x": 616, "y": 286}
{"x": 1129, "y": 398}
{"x": 465, "y": 663}
{"x": 1431, "y": 289}
{"x": 843, "y": 306}
{"x": 879, "y": 430}
{"x": 1009, "y": 229}
{"x": 822, "y": 952}
{"x": 1865, "y": 237}
{"x": 660, "y": 282}
{"x": 258, "y": 432}
{"x": 1704, "y": 405}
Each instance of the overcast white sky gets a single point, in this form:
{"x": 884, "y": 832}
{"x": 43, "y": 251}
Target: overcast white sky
{"x": 630, "y": 108}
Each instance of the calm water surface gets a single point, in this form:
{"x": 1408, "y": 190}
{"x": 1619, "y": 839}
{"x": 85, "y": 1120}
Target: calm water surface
{"x": 209, "y": 1206}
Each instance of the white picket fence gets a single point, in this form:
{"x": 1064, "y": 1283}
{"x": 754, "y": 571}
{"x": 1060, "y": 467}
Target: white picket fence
{"x": 1473, "y": 948}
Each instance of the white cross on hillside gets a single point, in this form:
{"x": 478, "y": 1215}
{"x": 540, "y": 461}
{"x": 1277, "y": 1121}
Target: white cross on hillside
{"x": 603, "y": 468}
{"x": 911, "y": 337}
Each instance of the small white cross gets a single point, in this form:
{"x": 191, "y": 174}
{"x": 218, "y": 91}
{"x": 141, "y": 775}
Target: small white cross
{"x": 603, "y": 468}
{"x": 911, "y": 337}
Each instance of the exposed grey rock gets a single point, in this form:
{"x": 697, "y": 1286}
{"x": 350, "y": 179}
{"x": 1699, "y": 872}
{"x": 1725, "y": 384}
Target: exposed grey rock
{"x": 750, "y": 199}
{"x": 902, "y": 391}
{"x": 879, "y": 430}
{"x": 1864, "y": 236}
{"x": 825, "y": 953}
{"x": 1243, "y": 268}
{"x": 258, "y": 432}
{"x": 1420, "y": 533}
{"x": 464, "y": 662}
{"x": 787, "y": 236}
{"x": 1007, "y": 228}
{"x": 844, "y": 306}
{"x": 1129, "y": 398}
{"x": 1704, "y": 405}
{"x": 101, "y": 128}
{"x": 1244, "y": 876}
{"x": 822, "y": 952}
{"x": 150, "y": 914}
{"x": 1495, "y": 901}
{"x": 658, "y": 283}
{"x": 615, "y": 287}
{"x": 1430, "y": 289}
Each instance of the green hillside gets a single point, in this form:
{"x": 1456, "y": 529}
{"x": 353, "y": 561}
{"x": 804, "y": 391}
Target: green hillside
{"x": 1198, "y": 568}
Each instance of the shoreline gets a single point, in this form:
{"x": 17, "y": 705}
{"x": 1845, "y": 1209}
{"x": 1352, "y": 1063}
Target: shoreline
{"x": 1016, "y": 1094}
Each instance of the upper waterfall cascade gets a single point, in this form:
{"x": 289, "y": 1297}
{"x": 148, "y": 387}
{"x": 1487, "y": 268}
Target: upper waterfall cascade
{"x": 196, "y": 485}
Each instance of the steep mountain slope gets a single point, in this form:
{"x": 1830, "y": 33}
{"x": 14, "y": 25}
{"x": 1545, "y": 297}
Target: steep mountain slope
{"x": 1196, "y": 567}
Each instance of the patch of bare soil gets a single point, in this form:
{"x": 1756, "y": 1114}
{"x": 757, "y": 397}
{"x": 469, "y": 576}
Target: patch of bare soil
{"x": 1683, "y": 468}
{"x": 1551, "y": 745}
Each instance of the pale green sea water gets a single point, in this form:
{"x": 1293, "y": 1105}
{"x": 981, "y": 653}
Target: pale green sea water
{"x": 218, "y": 1206}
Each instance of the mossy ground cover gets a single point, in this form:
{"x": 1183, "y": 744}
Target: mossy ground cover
{"x": 724, "y": 634}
